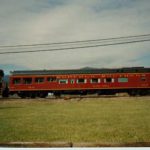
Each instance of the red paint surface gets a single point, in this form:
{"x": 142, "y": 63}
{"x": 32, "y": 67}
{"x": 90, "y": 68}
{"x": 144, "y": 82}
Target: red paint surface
{"x": 134, "y": 81}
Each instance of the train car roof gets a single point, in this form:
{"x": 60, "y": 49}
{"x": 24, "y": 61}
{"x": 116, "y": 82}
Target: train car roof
{"x": 1, "y": 73}
{"x": 82, "y": 71}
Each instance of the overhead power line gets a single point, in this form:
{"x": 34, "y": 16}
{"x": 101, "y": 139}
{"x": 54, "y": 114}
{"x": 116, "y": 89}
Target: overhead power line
{"x": 76, "y": 47}
{"x": 78, "y": 42}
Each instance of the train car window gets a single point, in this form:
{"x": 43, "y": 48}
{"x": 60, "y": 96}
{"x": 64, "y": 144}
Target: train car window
{"x": 51, "y": 79}
{"x": 63, "y": 81}
{"x": 72, "y": 81}
{"x": 122, "y": 80}
{"x": 81, "y": 80}
{"x": 16, "y": 80}
{"x": 109, "y": 80}
{"x": 39, "y": 80}
{"x": 27, "y": 80}
{"x": 95, "y": 80}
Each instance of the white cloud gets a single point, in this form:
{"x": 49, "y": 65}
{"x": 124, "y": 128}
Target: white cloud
{"x": 29, "y": 22}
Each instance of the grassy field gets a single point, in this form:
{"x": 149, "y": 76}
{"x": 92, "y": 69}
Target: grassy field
{"x": 112, "y": 120}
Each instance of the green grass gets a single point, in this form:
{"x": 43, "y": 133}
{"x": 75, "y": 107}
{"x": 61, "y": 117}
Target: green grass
{"x": 89, "y": 120}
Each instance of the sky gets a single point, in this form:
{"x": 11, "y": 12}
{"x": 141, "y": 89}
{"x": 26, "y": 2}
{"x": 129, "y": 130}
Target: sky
{"x": 49, "y": 21}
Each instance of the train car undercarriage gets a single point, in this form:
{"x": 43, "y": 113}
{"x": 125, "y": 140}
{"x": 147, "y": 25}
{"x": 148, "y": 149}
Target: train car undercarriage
{"x": 58, "y": 93}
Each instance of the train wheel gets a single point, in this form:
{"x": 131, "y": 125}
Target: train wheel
{"x": 57, "y": 94}
{"x": 43, "y": 95}
{"x": 33, "y": 95}
{"x": 22, "y": 96}
{"x": 83, "y": 92}
{"x": 133, "y": 93}
{"x": 143, "y": 92}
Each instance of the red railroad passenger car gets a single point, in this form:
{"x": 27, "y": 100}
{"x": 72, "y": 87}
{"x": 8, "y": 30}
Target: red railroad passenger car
{"x": 38, "y": 83}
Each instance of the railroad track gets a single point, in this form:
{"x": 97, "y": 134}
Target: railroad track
{"x": 67, "y": 97}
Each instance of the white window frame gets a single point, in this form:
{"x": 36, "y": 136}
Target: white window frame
{"x": 85, "y": 81}
{"x": 38, "y": 80}
{"x": 119, "y": 81}
{"x": 64, "y": 81}
{"x": 15, "y": 81}
{"x": 72, "y": 81}
{"x": 51, "y": 79}
{"x": 99, "y": 80}
{"x": 112, "y": 80}
{"x": 27, "y": 80}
